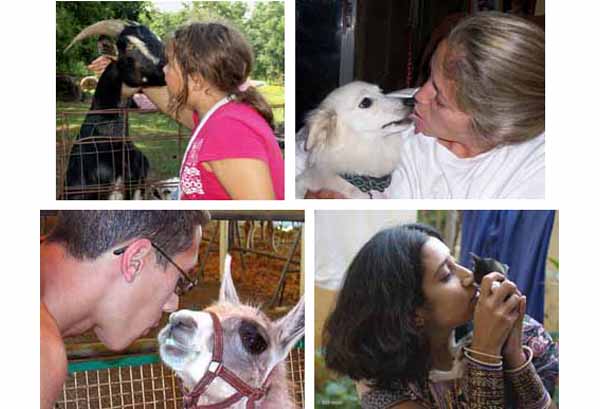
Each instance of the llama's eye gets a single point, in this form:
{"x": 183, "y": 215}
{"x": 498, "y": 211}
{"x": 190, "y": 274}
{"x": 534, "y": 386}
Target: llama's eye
{"x": 365, "y": 103}
{"x": 252, "y": 340}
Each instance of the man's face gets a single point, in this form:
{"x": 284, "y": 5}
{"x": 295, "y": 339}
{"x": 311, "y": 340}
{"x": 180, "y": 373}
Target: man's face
{"x": 135, "y": 307}
{"x": 436, "y": 113}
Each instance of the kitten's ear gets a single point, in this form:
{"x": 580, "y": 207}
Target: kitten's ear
{"x": 506, "y": 267}
{"x": 227, "y": 293}
{"x": 475, "y": 257}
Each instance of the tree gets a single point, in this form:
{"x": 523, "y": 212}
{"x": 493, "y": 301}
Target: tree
{"x": 72, "y": 17}
{"x": 266, "y": 33}
{"x": 263, "y": 26}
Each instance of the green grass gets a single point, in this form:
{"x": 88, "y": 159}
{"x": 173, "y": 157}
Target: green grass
{"x": 155, "y": 134}
{"x": 275, "y": 96}
{"x": 161, "y": 139}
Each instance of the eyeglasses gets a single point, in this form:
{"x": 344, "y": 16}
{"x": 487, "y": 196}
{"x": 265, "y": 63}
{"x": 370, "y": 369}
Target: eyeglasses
{"x": 184, "y": 284}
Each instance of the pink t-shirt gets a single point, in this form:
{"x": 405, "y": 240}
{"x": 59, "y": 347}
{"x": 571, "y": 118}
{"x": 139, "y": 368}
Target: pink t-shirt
{"x": 234, "y": 130}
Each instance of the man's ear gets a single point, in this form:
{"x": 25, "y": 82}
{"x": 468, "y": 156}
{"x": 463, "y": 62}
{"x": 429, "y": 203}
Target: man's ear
{"x": 134, "y": 257}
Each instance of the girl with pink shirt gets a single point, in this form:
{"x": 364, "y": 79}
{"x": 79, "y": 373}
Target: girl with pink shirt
{"x": 232, "y": 153}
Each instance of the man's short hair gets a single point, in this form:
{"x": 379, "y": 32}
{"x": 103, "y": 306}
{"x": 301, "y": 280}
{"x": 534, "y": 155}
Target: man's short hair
{"x": 87, "y": 234}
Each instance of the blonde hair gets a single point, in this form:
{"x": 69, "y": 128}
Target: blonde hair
{"x": 222, "y": 56}
{"x": 496, "y": 62}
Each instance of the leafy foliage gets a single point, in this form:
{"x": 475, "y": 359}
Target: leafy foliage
{"x": 263, "y": 26}
{"x": 265, "y": 31}
{"x": 332, "y": 391}
{"x": 72, "y": 17}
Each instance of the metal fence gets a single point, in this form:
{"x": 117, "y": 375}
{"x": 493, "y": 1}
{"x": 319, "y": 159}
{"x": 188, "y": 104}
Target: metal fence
{"x": 143, "y": 382}
{"x": 163, "y": 148}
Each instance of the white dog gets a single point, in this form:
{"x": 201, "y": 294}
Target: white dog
{"x": 353, "y": 142}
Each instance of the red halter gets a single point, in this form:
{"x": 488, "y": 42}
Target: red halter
{"x": 217, "y": 370}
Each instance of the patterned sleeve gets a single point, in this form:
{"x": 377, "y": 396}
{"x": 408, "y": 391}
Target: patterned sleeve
{"x": 384, "y": 398}
{"x": 545, "y": 352}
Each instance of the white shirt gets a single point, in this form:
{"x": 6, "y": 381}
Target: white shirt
{"x": 428, "y": 170}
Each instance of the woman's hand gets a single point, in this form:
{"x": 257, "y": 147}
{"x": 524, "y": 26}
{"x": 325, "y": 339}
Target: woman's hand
{"x": 324, "y": 194}
{"x": 496, "y": 312}
{"x": 513, "y": 348}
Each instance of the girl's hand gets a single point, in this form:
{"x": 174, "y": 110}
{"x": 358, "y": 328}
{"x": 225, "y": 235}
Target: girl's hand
{"x": 99, "y": 64}
{"x": 513, "y": 348}
{"x": 496, "y": 312}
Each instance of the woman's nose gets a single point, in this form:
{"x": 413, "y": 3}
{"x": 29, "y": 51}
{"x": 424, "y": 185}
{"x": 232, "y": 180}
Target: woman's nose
{"x": 465, "y": 275}
{"x": 426, "y": 93}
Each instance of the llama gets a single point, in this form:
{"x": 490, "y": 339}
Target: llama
{"x": 231, "y": 355}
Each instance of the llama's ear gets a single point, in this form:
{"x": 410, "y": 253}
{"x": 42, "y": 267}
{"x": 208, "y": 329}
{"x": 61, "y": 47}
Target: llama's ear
{"x": 289, "y": 330}
{"x": 227, "y": 293}
{"x": 321, "y": 124}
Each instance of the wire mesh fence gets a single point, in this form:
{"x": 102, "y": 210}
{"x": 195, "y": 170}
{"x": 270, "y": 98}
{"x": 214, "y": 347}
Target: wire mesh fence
{"x": 143, "y": 382}
{"x": 122, "y": 153}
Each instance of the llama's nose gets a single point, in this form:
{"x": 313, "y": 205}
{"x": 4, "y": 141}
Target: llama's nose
{"x": 182, "y": 325}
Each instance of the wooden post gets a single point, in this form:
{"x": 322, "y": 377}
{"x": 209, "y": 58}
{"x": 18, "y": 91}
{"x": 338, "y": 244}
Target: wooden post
{"x": 223, "y": 245}
{"x": 302, "y": 262}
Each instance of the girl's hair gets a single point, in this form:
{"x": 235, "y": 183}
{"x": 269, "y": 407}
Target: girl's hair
{"x": 222, "y": 56}
{"x": 371, "y": 333}
{"x": 496, "y": 62}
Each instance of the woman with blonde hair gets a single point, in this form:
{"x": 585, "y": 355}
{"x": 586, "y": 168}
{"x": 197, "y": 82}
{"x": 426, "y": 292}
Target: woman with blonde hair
{"x": 480, "y": 117}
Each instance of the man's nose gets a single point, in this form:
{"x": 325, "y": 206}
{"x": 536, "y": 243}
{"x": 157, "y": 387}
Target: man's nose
{"x": 172, "y": 303}
{"x": 465, "y": 275}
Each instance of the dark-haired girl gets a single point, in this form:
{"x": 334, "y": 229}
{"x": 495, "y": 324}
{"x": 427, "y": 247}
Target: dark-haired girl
{"x": 392, "y": 329}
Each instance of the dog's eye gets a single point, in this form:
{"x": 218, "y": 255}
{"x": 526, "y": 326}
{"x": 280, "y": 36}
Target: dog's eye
{"x": 365, "y": 103}
{"x": 252, "y": 340}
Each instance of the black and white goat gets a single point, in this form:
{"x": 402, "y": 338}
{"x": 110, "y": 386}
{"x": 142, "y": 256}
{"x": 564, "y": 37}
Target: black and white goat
{"x": 102, "y": 161}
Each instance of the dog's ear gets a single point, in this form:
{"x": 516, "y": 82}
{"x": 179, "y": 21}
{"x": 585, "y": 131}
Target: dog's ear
{"x": 321, "y": 125}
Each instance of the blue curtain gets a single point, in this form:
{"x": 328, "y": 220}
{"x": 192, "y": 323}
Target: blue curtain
{"x": 519, "y": 238}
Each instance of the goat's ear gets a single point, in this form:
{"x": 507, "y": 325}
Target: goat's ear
{"x": 227, "y": 293}
{"x": 321, "y": 125}
{"x": 289, "y": 330}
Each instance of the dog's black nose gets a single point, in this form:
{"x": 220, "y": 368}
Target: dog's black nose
{"x": 409, "y": 102}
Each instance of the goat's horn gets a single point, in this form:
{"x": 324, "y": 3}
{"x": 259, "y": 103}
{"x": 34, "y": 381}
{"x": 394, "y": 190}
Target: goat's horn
{"x": 110, "y": 28}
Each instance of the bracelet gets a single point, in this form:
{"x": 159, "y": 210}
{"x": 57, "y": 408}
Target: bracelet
{"x": 524, "y": 365}
{"x": 473, "y": 351}
{"x": 486, "y": 364}
{"x": 484, "y": 386}
{"x": 528, "y": 388}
